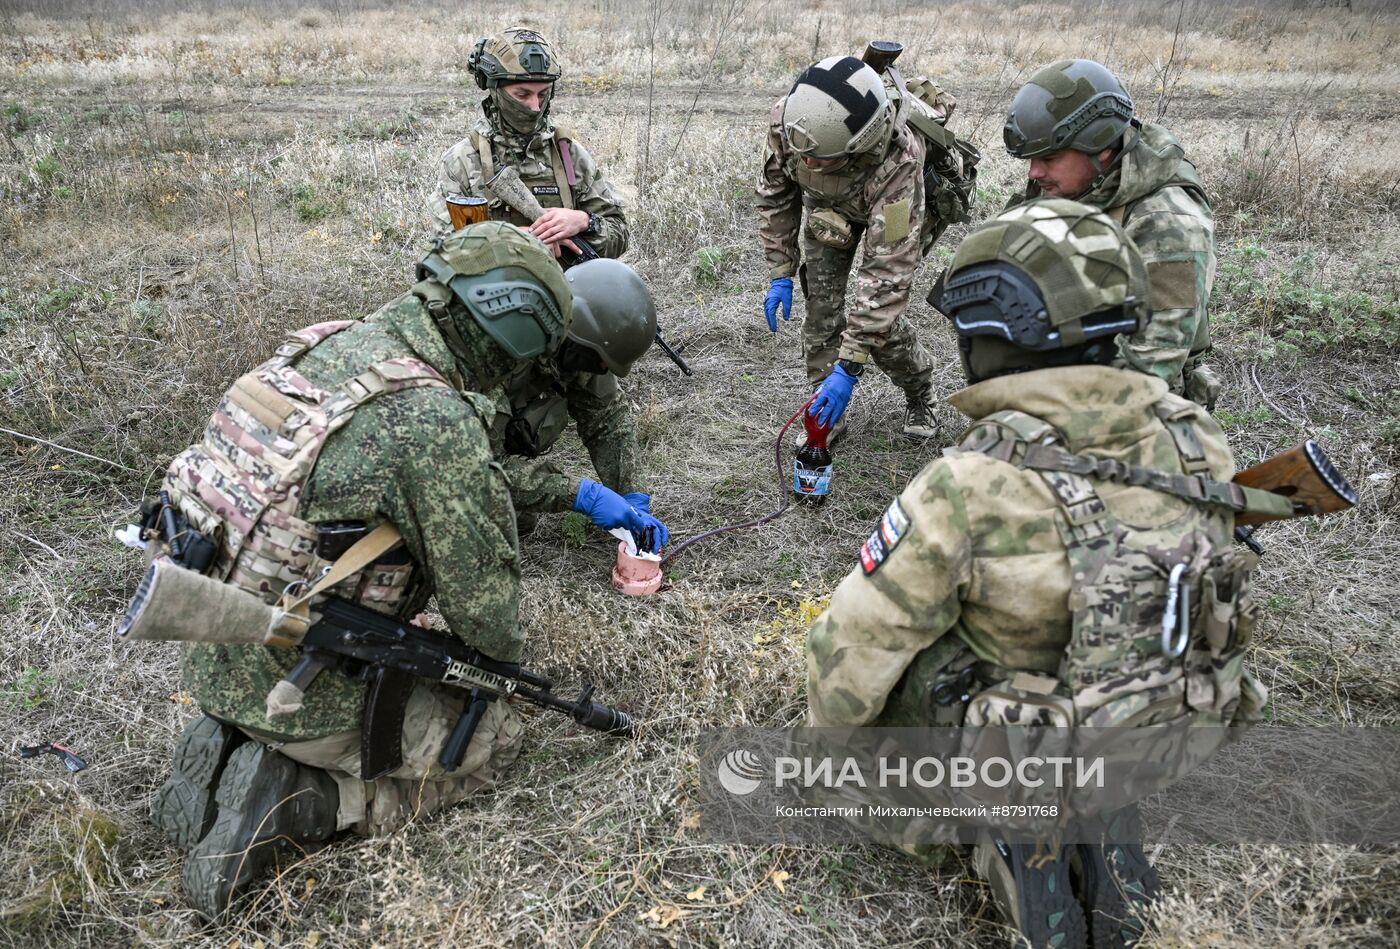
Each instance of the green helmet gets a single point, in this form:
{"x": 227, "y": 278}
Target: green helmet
{"x": 1049, "y": 282}
{"x": 507, "y": 281}
{"x": 1075, "y": 103}
{"x": 614, "y": 314}
{"x": 837, "y": 107}
{"x": 515, "y": 55}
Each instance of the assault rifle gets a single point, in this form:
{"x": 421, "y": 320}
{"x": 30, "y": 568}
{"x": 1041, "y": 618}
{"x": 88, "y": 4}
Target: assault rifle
{"x": 506, "y": 187}
{"x": 391, "y": 655}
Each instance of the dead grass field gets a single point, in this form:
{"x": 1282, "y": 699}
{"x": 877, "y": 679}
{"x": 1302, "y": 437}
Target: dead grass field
{"x": 182, "y": 188}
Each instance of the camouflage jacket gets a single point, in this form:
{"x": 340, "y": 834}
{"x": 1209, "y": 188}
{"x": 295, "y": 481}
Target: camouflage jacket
{"x": 464, "y": 169}
{"x": 883, "y": 196}
{"x": 534, "y": 407}
{"x": 421, "y": 459}
{"x": 971, "y": 547}
{"x": 1155, "y": 193}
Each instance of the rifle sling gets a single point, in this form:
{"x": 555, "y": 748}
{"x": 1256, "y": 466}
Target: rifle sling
{"x": 1196, "y": 488}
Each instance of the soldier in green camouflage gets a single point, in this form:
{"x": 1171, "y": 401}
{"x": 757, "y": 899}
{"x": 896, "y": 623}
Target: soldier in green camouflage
{"x": 536, "y": 403}
{"x": 840, "y": 148}
{"x": 350, "y": 426}
{"x": 982, "y": 596}
{"x": 1074, "y": 122}
{"x": 518, "y": 69}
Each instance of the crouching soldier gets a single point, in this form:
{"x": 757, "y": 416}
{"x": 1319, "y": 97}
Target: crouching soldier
{"x": 1024, "y": 577}
{"x": 357, "y": 430}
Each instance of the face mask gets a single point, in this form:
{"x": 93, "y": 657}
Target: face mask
{"x": 516, "y": 116}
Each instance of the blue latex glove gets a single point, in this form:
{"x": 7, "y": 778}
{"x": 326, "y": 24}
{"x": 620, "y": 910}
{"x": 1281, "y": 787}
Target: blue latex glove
{"x": 779, "y": 292}
{"x": 640, "y": 501}
{"x": 832, "y": 397}
{"x": 608, "y": 509}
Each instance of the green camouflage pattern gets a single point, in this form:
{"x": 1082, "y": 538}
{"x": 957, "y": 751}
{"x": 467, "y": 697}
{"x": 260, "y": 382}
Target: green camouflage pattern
{"x": 534, "y": 407}
{"x": 880, "y": 199}
{"x": 420, "y": 458}
{"x": 1073, "y": 103}
{"x": 1077, "y": 258}
{"x": 463, "y": 171}
{"x": 1157, "y": 196}
{"x": 983, "y": 558}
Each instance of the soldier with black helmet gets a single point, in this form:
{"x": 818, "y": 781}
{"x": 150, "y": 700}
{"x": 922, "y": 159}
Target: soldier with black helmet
{"x": 1074, "y": 122}
{"x": 518, "y": 69}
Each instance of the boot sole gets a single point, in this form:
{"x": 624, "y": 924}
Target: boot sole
{"x": 184, "y": 806}
{"x": 1119, "y": 882}
{"x": 1050, "y": 916}
{"x": 247, "y": 832}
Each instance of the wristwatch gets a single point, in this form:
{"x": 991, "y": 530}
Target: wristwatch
{"x": 595, "y": 224}
{"x": 852, "y": 368}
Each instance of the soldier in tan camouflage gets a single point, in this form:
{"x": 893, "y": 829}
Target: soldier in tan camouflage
{"x": 1021, "y": 578}
{"x": 349, "y": 426}
{"x": 1074, "y": 122}
{"x": 518, "y": 69}
{"x": 841, "y": 149}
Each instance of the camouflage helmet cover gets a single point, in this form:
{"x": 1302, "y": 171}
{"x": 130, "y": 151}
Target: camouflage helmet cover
{"x": 508, "y": 283}
{"x": 1046, "y": 275}
{"x": 837, "y": 107}
{"x": 614, "y": 314}
{"x": 1074, "y": 103}
{"x": 514, "y": 55}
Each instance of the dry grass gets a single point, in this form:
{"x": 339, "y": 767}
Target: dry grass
{"x": 181, "y": 188}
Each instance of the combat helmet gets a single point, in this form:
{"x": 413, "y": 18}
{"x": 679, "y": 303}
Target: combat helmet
{"x": 514, "y": 55}
{"x": 837, "y": 107}
{"x": 1074, "y": 103}
{"x": 614, "y": 314}
{"x": 1048, "y": 282}
{"x": 508, "y": 285}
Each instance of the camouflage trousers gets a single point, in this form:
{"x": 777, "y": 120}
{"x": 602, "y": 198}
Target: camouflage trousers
{"x": 419, "y": 787}
{"x": 824, "y": 274}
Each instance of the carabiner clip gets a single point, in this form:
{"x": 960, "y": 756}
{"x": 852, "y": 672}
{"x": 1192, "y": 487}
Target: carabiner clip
{"x": 1176, "y": 618}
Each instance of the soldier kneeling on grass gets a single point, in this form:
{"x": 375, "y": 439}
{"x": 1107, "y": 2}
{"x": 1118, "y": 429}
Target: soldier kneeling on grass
{"x": 980, "y": 571}
{"x": 350, "y": 427}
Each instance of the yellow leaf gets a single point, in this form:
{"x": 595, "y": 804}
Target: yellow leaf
{"x": 780, "y": 877}
{"x": 663, "y": 915}
{"x": 797, "y": 584}
{"x": 181, "y": 698}
{"x": 310, "y": 885}
{"x": 312, "y": 940}
{"x": 158, "y": 901}
{"x": 55, "y": 467}
{"x": 696, "y": 895}
{"x": 691, "y": 823}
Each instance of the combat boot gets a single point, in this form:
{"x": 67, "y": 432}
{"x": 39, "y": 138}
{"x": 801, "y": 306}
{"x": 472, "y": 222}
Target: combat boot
{"x": 1031, "y": 883}
{"x": 1115, "y": 880}
{"x": 267, "y": 804}
{"x": 184, "y": 806}
{"x": 920, "y": 417}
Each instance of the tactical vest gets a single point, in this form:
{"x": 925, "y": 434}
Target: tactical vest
{"x": 1122, "y": 667}
{"x": 552, "y": 186}
{"x": 241, "y": 485}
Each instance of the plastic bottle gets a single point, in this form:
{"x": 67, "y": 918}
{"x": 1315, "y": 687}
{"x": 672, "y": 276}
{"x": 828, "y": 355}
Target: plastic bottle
{"x": 812, "y": 468}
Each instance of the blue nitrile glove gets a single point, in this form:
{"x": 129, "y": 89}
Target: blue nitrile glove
{"x": 640, "y": 501}
{"x": 832, "y": 397}
{"x": 608, "y": 509}
{"x": 779, "y": 292}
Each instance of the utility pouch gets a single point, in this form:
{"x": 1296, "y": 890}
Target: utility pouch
{"x": 830, "y": 229}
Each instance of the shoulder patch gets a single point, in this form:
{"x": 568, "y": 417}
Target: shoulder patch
{"x": 893, "y": 527}
{"x": 1173, "y": 284}
{"x": 897, "y": 221}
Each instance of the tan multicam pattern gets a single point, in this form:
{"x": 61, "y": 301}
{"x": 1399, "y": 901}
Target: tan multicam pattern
{"x": 461, "y": 172}
{"x": 985, "y": 556}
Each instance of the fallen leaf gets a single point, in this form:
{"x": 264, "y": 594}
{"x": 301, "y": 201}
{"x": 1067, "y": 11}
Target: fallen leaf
{"x": 692, "y": 822}
{"x": 181, "y": 698}
{"x": 310, "y": 885}
{"x": 663, "y": 915}
{"x": 312, "y": 940}
{"x": 779, "y": 878}
{"x": 696, "y": 895}
{"x": 797, "y": 584}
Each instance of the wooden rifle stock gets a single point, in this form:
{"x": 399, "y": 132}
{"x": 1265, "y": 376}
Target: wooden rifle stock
{"x": 1305, "y": 476}
{"x": 880, "y": 54}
